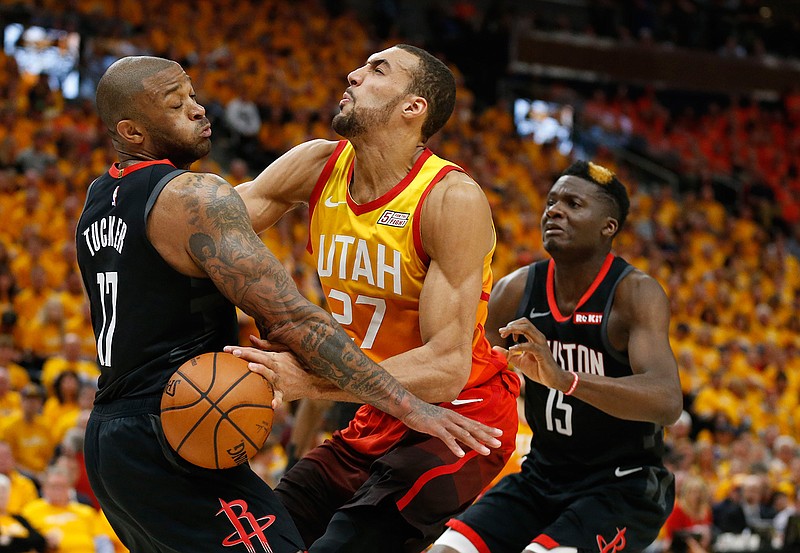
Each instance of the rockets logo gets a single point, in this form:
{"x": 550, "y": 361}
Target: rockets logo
{"x": 616, "y": 544}
{"x": 114, "y": 196}
{"x": 244, "y": 535}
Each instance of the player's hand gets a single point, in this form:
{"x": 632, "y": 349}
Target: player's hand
{"x": 533, "y": 356}
{"x": 268, "y": 345}
{"x": 452, "y": 428}
{"x": 282, "y": 369}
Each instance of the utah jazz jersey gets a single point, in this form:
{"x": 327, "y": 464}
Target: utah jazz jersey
{"x": 570, "y": 435}
{"x": 372, "y": 265}
{"x": 147, "y": 317}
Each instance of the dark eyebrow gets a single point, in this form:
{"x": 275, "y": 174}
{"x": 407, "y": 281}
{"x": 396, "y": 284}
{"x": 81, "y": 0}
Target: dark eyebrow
{"x": 177, "y": 86}
{"x": 379, "y": 61}
{"x": 172, "y": 89}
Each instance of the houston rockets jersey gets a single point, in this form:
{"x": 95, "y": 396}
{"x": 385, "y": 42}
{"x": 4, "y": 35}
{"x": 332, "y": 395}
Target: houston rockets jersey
{"x": 569, "y": 435}
{"x": 148, "y": 318}
{"x": 372, "y": 265}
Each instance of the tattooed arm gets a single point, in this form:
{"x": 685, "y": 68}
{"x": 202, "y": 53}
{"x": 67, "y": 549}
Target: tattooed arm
{"x": 200, "y": 226}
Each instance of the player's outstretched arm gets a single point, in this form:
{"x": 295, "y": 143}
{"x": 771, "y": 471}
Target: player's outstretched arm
{"x": 285, "y": 183}
{"x": 200, "y": 225}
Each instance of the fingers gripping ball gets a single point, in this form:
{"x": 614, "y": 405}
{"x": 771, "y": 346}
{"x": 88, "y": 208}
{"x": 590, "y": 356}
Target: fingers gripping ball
{"x": 215, "y": 412}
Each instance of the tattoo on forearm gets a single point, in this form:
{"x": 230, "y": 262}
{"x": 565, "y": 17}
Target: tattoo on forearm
{"x": 226, "y": 247}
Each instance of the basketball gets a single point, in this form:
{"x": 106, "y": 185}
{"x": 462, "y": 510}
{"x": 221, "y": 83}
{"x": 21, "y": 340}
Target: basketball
{"x": 215, "y": 412}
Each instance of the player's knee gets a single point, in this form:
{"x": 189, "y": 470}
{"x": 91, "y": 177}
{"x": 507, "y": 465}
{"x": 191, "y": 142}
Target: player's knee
{"x": 453, "y": 541}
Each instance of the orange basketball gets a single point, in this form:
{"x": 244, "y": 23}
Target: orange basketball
{"x": 215, "y": 412}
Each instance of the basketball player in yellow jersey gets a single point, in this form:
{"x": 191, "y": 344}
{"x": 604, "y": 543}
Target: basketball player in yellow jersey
{"x": 403, "y": 242}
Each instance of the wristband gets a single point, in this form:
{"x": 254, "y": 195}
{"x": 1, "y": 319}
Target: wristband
{"x": 574, "y": 384}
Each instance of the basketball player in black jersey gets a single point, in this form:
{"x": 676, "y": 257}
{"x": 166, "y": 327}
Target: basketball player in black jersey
{"x": 590, "y": 334}
{"x": 165, "y": 254}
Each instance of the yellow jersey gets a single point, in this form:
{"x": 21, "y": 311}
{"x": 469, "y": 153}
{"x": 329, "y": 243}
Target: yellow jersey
{"x": 372, "y": 267}
{"x": 75, "y": 524}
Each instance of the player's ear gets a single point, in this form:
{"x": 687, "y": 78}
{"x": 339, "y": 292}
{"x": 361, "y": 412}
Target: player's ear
{"x": 129, "y": 131}
{"x": 610, "y": 228}
{"x": 415, "y": 106}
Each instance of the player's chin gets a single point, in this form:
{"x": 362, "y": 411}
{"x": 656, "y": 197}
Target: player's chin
{"x": 203, "y": 148}
{"x": 552, "y": 245}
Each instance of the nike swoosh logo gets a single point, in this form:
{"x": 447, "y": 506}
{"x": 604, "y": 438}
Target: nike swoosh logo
{"x": 534, "y": 315}
{"x": 330, "y": 203}
{"x": 465, "y": 401}
{"x": 619, "y": 473}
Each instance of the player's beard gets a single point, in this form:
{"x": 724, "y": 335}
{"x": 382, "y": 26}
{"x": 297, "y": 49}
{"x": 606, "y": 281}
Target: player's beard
{"x": 359, "y": 120}
{"x": 182, "y": 153}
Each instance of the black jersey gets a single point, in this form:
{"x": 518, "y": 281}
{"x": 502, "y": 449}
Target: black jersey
{"x": 148, "y": 318}
{"x": 570, "y": 436}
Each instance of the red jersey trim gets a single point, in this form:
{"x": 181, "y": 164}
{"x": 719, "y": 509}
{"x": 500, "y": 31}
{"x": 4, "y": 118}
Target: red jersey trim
{"x": 321, "y": 182}
{"x": 360, "y": 209}
{"x": 426, "y": 477}
{"x": 551, "y": 296}
{"x": 484, "y": 296}
{"x": 416, "y": 223}
{"x": 118, "y": 173}
{"x": 470, "y": 534}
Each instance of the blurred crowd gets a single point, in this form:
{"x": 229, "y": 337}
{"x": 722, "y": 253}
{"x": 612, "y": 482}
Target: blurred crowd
{"x": 270, "y": 74}
{"x": 736, "y": 28}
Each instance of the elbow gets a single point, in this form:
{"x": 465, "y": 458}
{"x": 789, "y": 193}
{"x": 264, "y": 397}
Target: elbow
{"x": 671, "y": 409}
{"x": 449, "y": 393}
{"x": 457, "y": 377}
{"x": 445, "y": 378}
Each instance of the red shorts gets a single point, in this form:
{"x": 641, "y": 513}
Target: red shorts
{"x": 419, "y": 474}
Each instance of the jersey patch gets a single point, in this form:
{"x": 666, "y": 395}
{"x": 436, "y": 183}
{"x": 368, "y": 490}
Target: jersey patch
{"x": 587, "y": 318}
{"x": 394, "y": 218}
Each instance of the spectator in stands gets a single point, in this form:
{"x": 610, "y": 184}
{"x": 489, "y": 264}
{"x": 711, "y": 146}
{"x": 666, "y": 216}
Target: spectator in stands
{"x": 10, "y": 403}
{"x": 784, "y": 502}
{"x": 16, "y": 533}
{"x": 9, "y": 358}
{"x": 23, "y": 489}
{"x": 64, "y": 397}
{"x": 44, "y": 335}
{"x": 30, "y": 300}
{"x": 758, "y": 513}
{"x": 8, "y": 286}
{"x": 728, "y": 514}
{"x": 67, "y": 525}
{"x": 38, "y": 155}
{"x": 69, "y": 359}
{"x": 689, "y": 526}
{"x": 29, "y": 434}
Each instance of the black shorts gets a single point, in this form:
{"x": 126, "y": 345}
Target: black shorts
{"x": 600, "y": 512}
{"x": 157, "y": 502}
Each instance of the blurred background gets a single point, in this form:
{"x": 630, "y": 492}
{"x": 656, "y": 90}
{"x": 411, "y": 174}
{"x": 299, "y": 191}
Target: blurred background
{"x": 695, "y": 104}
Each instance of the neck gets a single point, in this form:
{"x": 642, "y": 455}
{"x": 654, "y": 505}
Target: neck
{"x": 379, "y": 167}
{"x": 573, "y": 276}
{"x": 127, "y": 159}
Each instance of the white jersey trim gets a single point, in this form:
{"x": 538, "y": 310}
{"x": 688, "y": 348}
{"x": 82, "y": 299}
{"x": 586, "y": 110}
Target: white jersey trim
{"x": 457, "y": 541}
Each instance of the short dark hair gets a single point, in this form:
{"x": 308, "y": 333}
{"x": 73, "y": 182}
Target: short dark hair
{"x": 121, "y": 83}
{"x": 434, "y": 81}
{"x": 607, "y": 181}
